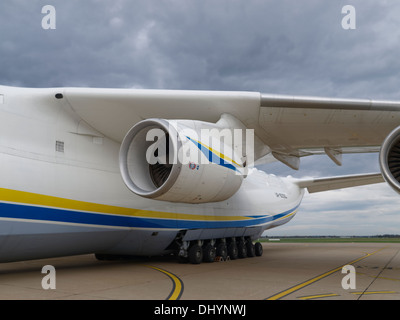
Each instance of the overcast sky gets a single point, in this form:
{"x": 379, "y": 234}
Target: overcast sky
{"x": 286, "y": 47}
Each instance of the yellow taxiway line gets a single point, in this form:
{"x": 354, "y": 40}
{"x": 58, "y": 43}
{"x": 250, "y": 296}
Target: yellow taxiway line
{"x": 177, "y": 288}
{"x": 308, "y": 282}
{"x": 317, "y": 296}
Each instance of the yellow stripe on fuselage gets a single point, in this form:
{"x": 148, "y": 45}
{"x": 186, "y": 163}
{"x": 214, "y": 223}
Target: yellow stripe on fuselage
{"x": 287, "y": 216}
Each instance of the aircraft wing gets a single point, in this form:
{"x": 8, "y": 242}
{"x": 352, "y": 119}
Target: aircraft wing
{"x": 290, "y": 126}
{"x": 335, "y": 126}
{"x": 114, "y": 111}
{"x": 339, "y": 182}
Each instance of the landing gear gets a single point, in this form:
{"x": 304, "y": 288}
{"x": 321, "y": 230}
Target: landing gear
{"x": 209, "y": 253}
{"x": 195, "y": 254}
{"x": 242, "y": 249}
{"x": 251, "y": 250}
{"x": 233, "y": 250}
{"x": 199, "y": 251}
{"x": 222, "y": 251}
{"x": 258, "y": 249}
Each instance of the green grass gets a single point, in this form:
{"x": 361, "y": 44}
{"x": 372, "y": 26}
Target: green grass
{"x": 334, "y": 240}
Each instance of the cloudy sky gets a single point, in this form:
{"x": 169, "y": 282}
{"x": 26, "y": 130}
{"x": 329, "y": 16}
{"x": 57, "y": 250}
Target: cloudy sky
{"x": 277, "y": 46}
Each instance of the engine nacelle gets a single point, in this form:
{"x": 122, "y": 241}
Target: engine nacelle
{"x": 389, "y": 159}
{"x": 180, "y": 161}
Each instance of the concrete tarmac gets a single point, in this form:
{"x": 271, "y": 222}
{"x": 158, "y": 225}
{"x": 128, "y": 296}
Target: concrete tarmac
{"x": 286, "y": 271}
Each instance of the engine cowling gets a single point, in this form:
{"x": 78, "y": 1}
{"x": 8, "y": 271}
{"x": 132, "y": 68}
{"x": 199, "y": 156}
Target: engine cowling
{"x": 389, "y": 159}
{"x": 172, "y": 160}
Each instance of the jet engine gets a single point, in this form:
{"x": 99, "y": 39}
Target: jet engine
{"x": 180, "y": 161}
{"x": 389, "y": 159}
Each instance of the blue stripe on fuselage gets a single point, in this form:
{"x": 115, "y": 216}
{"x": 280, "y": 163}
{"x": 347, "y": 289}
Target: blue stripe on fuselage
{"x": 18, "y": 211}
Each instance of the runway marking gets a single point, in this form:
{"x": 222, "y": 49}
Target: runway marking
{"x": 318, "y": 296}
{"x": 177, "y": 284}
{"x": 380, "y": 272}
{"x": 308, "y": 282}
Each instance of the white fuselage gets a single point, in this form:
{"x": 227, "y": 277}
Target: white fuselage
{"x": 61, "y": 192}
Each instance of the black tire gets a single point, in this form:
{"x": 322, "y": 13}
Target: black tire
{"x": 209, "y": 253}
{"x": 251, "y": 250}
{"x": 233, "y": 251}
{"x": 222, "y": 251}
{"x": 258, "y": 249}
{"x": 195, "y": 254}
{"x": 242, "y": 250}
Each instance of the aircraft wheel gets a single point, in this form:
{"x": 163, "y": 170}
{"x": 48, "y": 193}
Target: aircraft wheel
{"x": 242, "y": 250}
{"x": 258, "y": 249}
{"x": 251, "y": 250}
{"x": 222, "y": 251}
{"x": 209, "y": 253}
{"x": 195, "y": 254}
{"x": 233, "y": 251}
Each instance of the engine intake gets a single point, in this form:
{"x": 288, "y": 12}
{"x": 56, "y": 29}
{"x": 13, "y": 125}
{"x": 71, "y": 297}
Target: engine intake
{"x": 165, "y": 160}
{"x": 389, "y": 159}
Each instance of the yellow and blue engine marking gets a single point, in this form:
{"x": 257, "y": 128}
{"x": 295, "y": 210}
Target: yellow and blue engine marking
{"x": 215, "y": 156}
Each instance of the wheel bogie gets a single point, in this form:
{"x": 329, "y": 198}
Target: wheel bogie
{"x": 212, "y": 250}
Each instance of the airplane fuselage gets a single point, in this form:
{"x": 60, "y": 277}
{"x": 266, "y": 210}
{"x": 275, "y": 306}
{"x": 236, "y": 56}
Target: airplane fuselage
{"x": 61, "y": 192}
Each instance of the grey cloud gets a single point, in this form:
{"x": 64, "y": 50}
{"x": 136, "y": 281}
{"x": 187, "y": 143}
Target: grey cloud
{"x": 270, "y": 46}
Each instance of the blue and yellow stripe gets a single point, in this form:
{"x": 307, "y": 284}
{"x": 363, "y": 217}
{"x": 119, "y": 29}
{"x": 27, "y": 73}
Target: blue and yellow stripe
{"x": 31, "y": 206}
{"x": 215, "y": 156}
